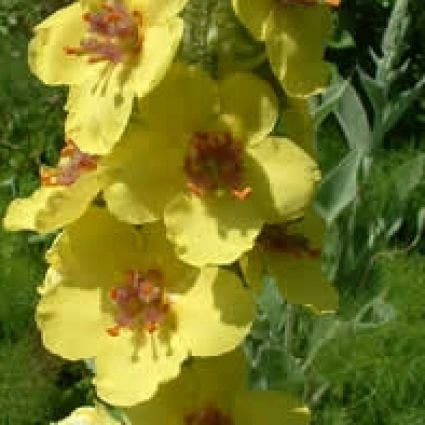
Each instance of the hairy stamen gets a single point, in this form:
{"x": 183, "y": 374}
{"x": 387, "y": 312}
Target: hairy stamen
{"x": 140, "y": 302}
{"x": 215, "y": 161}
{"x": 72, "y": 164}
{"x": 113, "y": 34}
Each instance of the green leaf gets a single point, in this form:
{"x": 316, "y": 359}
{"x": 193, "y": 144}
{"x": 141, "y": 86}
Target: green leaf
{"x": 353, "y": 120}
{"x": 342, "y": 40}
{"x": 271, "y": 305}
{"x": 393, "y": 40}
{"x": 374, "y": 89}
{"x": 278, "y": 371}
{"x": 395, "y": 110}
{"x": 409, "y": 175}
{"x": 339, "y": 187}
{"x": 329, "y": 100}
{"x": 419, "y": 228}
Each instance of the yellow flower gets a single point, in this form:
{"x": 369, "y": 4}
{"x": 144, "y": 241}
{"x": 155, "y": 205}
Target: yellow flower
{"x": 213, "y": 392}
{"x": 290, "y": 253}
{"x": 295, "y": 33}
{"x": 200, "y": 156}
{"x": 298, "y": 123}
{"x": 119, "y": 295}
{"x": 66, "y": 192}
{"x": 108, "y": 51}
{"x": 97, "y": 415}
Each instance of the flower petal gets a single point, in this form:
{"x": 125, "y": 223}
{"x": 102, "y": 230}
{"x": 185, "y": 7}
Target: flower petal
{"x": 129, "y": 371}
{"x": 255, "y": 15}
{"x": 186, "y": 101}
{"x": 211, "y": 232}
{"x": 146, "y": 170}
{"x": 52, "y": 279}
{"x": 159, "y": 253}
{"x": 96, "y": 235}
{"x": 46, "y": 54}
{"x": 296, "y": 55}
{"x": 124, "y": 203}
{"x": 157, "y": 11}
{"x": 298, "y": 123}
{"x": 292, "y": 175}
{"x": 171, "y": 403}
{"x": 98, "y": 114}
{"x": 253, "y": 269}
{"x": 50, "y": 208}
{"x": 269, "y": 408}
{"x": 210, "y": 321}
{"x": 302, "y": 280}
{"x": 160, "y": 44}
{"x": 220, "y": 378}
{"x": 97, "y": 415}
{"x": 71, "y": 321}
{"x": 202, "y": 383}
{"x": 248, "y": 105}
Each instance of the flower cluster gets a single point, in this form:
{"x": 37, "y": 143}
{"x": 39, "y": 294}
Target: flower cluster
{"x": 174, "y": 198}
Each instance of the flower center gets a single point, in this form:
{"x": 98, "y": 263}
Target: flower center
{"x": 72, "y": 164}
{"x": 276, "y": 238}
{"x": 207, "y": 416}
{"x": 140, "y": 302}
{"x": 215, "y": 161}
{"x": 333, "y": 3}
{"x": 113, "y": 34}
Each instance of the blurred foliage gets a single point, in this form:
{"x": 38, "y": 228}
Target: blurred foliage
{"x": 364, "y": 22}
{"x": 362, "y": 366}
{"x": 35, "y": 387}
{"x": 376, "y": 372}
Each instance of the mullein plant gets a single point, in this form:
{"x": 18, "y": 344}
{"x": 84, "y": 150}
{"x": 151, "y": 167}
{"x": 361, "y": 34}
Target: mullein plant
{"x": 174, "y": 198}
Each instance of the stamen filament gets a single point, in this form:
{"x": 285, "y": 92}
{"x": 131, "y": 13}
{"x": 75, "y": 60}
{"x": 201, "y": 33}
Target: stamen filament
{"x": 114, "y": 34}
{"x": 141, "y": 302}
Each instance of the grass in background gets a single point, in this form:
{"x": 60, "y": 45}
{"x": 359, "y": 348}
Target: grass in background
{"x": 35, "y": 387}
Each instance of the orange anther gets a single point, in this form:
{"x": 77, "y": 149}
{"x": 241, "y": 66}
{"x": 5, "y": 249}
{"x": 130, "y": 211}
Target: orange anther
{"x": 243, "y": 194}
{"x": 113, "y": 17}
{"x": 151, "y": 327}
{"x": 96, "y": 59}
{"x": 147, "y": 288}
{"x": 73, "y": 50}
{"x": 130, "y": 276}
{"x": 48, "y": 181}
{"x": 113, "y": 294}
{"x": 69, "y": 149}
{"x": 48, "y": 177}
{"x": 195, "y": 190}
{"x": 115, "y": 331}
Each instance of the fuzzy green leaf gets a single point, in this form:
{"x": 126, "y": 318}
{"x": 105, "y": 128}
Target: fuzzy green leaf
{"x": 353, "y": 120}
{"x": 339, "y": 187}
